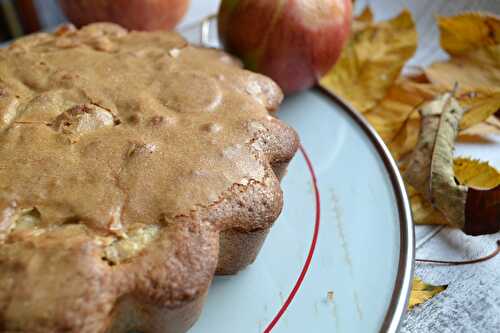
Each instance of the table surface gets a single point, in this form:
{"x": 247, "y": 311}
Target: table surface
{"x": 472, "y": 301}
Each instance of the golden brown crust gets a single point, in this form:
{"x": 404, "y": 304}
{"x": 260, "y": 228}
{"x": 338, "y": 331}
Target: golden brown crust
{"x": 135, "y": 315}
{"x": 238, "y": 249}
{"x": 133, "y": 167}
{"x": 42, "y": 290}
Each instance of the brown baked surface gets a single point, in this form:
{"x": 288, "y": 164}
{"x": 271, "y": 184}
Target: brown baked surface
{"x": 124, "y": 157}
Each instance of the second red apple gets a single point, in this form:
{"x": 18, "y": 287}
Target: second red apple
{"x": 131, "y": 14}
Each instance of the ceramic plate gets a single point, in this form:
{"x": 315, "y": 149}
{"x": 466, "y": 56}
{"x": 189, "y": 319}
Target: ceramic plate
{"x": 339, "y": 259}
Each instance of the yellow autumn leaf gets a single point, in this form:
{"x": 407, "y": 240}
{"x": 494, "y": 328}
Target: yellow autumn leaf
{"x": 470, "y": 73}
{"x": 473, "y": 42}
{"x": 479, "y": 107}
{"x": 367, "y": 76}
{"x": 476, "y": 174}
{"x": 468, "y": 31}
{"x": 407, "y": 94}
{"x": 390, "y": 105}
{"x": 372, "y": 60}
{"x": 389, "y": 116}
{"x": 406, "y": 138}
{"x": 395, "y": 117}
{"x": 422, "y": 292}
{"x": 478, "y": 131}
{"x": 366, "y": 17}
{"x": 422, "y": 210}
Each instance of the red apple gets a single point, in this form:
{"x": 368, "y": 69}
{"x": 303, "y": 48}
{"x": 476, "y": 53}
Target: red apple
{"x": 131, "y": 14}
{"x": 294, "y": 42}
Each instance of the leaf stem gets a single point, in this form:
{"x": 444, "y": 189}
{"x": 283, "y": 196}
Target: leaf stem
{"x": 467, "y": 262}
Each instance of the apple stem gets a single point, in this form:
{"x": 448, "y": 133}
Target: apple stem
{"x": 467, "y": 262}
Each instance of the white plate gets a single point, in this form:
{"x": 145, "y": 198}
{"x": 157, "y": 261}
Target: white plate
{"x": 359, "y": 274}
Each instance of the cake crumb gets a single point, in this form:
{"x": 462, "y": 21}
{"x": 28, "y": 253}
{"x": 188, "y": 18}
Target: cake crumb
{"x": 174, "y": 53}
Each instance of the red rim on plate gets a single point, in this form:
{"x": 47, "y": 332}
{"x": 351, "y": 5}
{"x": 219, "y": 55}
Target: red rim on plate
{"x": 310, "y": 255}
{"x": 402, "y": 287}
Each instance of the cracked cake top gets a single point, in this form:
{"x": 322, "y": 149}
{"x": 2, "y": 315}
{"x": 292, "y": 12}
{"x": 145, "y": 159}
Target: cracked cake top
{"x": 113, "y": 128}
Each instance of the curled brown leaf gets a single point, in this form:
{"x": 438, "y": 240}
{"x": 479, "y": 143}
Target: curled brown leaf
{"x": 430, "y": 169}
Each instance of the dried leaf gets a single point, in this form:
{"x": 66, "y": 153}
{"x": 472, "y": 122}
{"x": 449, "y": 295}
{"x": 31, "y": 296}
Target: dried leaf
{"x": 389, "y": 116}
{"x": 422, "y": 292}
{"x": 367, "y": 77}
{"x": 422, "y": 210}
{"x": 467, "y": 32}
{"x": 494, "y": 121}
{"x": 476, "y": 174}
{"x": 479, "y": 107}
{"x": 479, "y": 104}
{"x": 471, "y": 73}
{"x": 472, "y": 205}
{"x": 490, "y": 126}
{"x": 406, "y": 138}
{"x": 473, "y": 42}
{"x": 395, "y": 117}
{"x": 430, "y": 170}
{"x": 372, "y": 60}
{"x": 366, "y": 17}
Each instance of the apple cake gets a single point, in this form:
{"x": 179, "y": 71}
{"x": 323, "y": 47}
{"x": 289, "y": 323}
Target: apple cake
{"x": 133, "y": 167}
